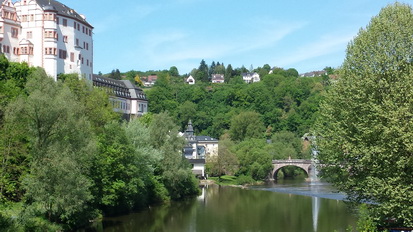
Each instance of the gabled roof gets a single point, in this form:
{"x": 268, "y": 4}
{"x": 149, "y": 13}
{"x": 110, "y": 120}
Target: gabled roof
{"x": 218, "y": 76}
{"x": 25, "y": 42}
{"x": 62, "y": 9}
{"x": 121, "y": 88}
{"x": 249, "y": 74}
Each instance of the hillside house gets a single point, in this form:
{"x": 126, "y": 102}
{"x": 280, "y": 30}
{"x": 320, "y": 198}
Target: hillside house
{"x": 251, "y": 77}
{"x": 217, "y": 78}
{"x": 190, "y": 80}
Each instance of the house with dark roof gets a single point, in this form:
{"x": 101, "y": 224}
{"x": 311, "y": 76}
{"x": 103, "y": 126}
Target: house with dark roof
{"x": 217, "y": 78}
{"x": 125, "y": 97}
{"x": 251, "y": 77}
{"x": 314, "y": 73}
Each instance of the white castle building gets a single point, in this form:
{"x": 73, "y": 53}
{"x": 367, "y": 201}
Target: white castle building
{"x": 47, "y": 34}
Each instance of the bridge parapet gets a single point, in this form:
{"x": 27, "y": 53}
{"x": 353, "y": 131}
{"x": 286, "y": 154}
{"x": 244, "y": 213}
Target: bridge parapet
{"x": 292, "y": 161}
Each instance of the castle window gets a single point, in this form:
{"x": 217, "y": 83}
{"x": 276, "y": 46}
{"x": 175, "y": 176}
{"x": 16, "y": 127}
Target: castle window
{"x": 16, "y": 51}
{"x": 62, "y": 54}
{"x": 14, "y": 32}
{"x": 65, "y": 22}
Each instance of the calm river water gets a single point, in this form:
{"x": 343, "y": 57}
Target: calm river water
{"x": 288, "y": 207}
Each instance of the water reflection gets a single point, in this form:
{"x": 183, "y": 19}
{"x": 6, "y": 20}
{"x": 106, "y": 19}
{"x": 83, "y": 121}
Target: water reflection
{"x": 226, "y": 209}
{"x": 316, "y": 208}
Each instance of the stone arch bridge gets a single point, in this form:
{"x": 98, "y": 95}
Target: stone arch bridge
{"x": 306, "y": 165}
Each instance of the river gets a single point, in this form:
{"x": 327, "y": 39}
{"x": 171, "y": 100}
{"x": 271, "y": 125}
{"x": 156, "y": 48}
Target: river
{"x": 286, "y": 206}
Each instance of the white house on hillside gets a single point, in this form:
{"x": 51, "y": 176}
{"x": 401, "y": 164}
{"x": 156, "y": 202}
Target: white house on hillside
{"x": 47, "y": 34}
{"x": 190, "y": 80}
{"x": 217, "y": 78}
{"x": 251, "y": 77}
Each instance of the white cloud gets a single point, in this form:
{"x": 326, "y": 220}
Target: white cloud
{"x": 177, "y": 46}
{"x": 327, "y": 44}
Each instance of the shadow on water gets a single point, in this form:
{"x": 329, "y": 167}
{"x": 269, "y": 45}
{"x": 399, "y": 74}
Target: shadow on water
{"x": 229, "y": 209}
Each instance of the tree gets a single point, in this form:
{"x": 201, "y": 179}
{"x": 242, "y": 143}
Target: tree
{"x": 95, "y": 101}
{"x": 365, "y": 133}
{"x": 186, "y": 111}
{"x": 173, "y": 168}
{"x": 115, "y": 74}
{"x": 138, "y": 80}
{"x": 254, "y": 159}
{"x": 121, "y": 172}
{"x": 286, "y": 144}
{"x": 202, "y": 73}
{"x": 61, "y": 147}
{"x": 220, "y": 69}
{"x": 173, "y": 71}
{"x": 228, "y": 73}
{"x": 267, "y": 68}
{"x": 212, "y": 68}
{"x": 226, "y": 162}
{"x": 246, "y": 125}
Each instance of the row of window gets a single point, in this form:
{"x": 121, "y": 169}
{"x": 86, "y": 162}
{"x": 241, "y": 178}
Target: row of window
{"x": 85, "y": 30}
{"x": 8, "y": 15}
{"x": 120, "y": 105}
{"x": 63, "y": 55}
{"x": 27, "y": 18}
{"x": 55, "y": 35}
{"x": 142, "y": 108}
{"x": 52, "y": 17}
{"x": 26, "y": 50}
{"x": 76, "y": 25}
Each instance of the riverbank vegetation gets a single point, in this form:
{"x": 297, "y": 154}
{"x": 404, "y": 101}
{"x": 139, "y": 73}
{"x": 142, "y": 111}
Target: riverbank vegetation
{"x": 365, "y": 126}
{"x": 66, "y": 158}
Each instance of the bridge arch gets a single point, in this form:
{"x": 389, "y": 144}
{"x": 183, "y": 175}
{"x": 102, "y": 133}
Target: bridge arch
{"x": 305, "y": 165}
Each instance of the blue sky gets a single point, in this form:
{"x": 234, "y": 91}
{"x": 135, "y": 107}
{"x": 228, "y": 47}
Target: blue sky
{"x": 155, "y": 35}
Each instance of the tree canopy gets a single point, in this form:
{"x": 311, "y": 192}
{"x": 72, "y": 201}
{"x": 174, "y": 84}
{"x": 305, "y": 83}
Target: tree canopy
{"x": 365, "y": 133}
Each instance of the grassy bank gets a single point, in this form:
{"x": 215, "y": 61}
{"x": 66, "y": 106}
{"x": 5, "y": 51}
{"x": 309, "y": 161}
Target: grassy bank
{"x": 234, "y": 180}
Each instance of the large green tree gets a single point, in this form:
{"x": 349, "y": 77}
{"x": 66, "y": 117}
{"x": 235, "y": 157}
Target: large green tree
{"x": 61, "y": 146}
{"x": 173, "y": 168}
{"x": 365, "y": 132}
